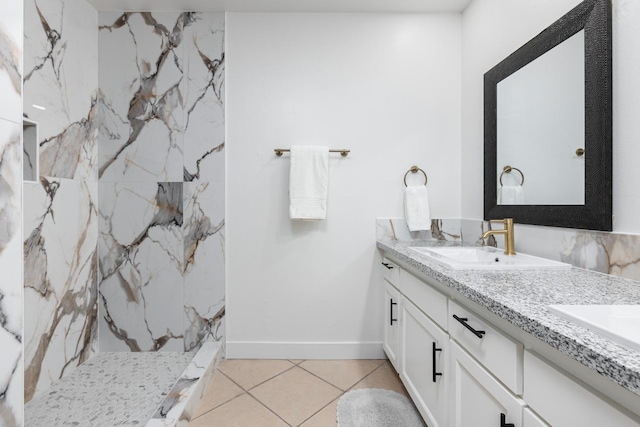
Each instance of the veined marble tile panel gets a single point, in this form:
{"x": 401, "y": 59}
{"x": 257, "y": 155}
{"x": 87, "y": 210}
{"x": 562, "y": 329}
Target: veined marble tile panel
{"x": 11, "y": 42}
{"x": 611, "y": 253}
{"x": 11, "y": 338}
{"x": 617, "y": 254}
{"x": 472, "y": 231}
{"x": 60, "y": 281}
{"x": 11, "y": 335}
{"x": 204, "y": 301}
{"x": 203, "y": 90}
{"x": 141, "y": 263}
{"x": 61, "y": 75}
{"x": 141, "y": 71}
{"x": 10, "y": 182}
{"x": 441, "y": 229}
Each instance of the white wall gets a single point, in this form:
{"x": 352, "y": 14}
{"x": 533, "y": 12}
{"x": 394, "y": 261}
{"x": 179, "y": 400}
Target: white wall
{"x": 492, "y": 29}
{"x": 385, "y": 86}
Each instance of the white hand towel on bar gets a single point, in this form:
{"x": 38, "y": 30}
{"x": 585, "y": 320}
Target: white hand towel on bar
{"x": 511, "y": 195}
{"x": 308, "y": 182}
{"x": 416, "y": 208}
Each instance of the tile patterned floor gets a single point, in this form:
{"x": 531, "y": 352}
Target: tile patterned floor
{"x": 287, "y": 393}
{"x": 110, "y": 389}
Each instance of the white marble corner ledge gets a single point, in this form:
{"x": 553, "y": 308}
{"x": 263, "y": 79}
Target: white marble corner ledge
{"x": 177, "y": 408}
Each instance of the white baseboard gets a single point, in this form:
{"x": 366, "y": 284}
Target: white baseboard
{"x": 304, "y": 350}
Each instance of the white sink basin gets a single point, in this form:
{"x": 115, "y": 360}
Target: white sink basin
{"x": 617, "y": 322}
{"x": 487, "y": 258}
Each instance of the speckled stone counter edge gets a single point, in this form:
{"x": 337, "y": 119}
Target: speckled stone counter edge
{"x": 527, "y": 309}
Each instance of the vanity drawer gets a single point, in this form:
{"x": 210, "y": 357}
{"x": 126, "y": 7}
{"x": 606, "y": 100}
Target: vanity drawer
{"x": 499, "y": 353}
{"x": 578, "y": 405}
{"x": 391, "y": 272}
{"x": 426, "y": 298}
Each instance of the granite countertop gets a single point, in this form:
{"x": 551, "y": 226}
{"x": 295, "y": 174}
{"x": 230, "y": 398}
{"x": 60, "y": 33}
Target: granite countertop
{"x": 522, "y": 297}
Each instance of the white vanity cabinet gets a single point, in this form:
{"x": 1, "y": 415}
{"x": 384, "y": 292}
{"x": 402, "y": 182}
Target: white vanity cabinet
{"x": 497, "y": 352}
{"x": 564, "y": 402}
{"x": 391, "y": 340}
{"x": 465, "y": 371}
{"x": 392, "y": 310}
{"x": 477, "y": 399}
{"x": 424, "y": 366}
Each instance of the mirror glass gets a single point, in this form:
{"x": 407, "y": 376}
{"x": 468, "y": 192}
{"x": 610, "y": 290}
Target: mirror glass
{"x": 541, "y": 126}
{"x": 548, "y": 128}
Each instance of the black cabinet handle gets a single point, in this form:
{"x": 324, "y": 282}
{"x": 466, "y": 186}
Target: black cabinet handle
{"x": 433, "y": 354}
{"x": 463, "y": 320}
{"x": 391, "y": 311}
{"x": 503, "y": 421}
{"x": 389, "y": 266}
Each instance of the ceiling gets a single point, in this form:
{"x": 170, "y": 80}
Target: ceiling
{"x": 283, "y": 5}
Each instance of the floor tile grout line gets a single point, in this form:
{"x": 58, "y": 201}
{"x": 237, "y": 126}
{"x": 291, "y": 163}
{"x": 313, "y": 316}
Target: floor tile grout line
{"x": 281, "y": 373}
{"x": 343, "y": 392}
{"x": 231, "y": 379}
{"x": 321, "y": 409}
{"x": 269, "y": 409}
{"x": 397, "y": 375}
{"x": 226, "y": 401}
{"x": 248, "y": 391}
{"x": 322, "y": 379}
{"x": 365, "y": 377}
{"x": 276, "y": 375}
{"x": 339, "y": 388}
{"x": 268, "y": 379}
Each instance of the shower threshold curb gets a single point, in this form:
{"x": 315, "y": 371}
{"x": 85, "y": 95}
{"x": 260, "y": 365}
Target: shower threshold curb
{"x": 177, "y": 408}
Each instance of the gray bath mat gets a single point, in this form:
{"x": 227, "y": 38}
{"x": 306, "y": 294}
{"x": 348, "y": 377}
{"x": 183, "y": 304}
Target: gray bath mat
{"x": 372, "y": 407}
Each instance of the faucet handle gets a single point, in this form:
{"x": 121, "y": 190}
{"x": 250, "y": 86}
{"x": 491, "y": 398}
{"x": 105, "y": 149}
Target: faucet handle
{"x": 503, "y": 221}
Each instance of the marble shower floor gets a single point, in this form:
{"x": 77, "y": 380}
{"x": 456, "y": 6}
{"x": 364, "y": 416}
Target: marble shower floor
{"x": 286, "y": 393}
{"x": 111, "y": 389}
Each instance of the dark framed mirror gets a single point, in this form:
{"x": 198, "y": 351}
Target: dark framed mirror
{"x": 562, "y": 142}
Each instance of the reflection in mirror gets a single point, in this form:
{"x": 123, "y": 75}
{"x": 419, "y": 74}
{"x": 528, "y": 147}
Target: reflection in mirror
{"x": 540, "y": 126}
{"x": 547, "y": 116}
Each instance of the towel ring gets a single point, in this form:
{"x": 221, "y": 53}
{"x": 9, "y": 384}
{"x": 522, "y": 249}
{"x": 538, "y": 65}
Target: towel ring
{"x": 415, "y": 169}
{"x": 508, "y": 169}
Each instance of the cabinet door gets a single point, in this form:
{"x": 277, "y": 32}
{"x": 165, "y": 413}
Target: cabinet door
{"x": 477, "y": 398}
{"x": 579, "y": 405}
{"x": 424, "y": 364}
{"x": 391, "y": 339}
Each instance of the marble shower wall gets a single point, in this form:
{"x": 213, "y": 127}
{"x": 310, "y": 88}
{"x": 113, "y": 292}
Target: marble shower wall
{"x": 161, "y": 172}
{"x": 610, "y": 253}
{"x": 141, "y": 259}
{"x": 60, "y": 279}
{"x": 61, "y": 76}
{"x": 61, "y": 208}
{"x": 11, "y": 316}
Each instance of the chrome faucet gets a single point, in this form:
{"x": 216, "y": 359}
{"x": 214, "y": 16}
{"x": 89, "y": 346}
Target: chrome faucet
{"x": 509, "y": 242}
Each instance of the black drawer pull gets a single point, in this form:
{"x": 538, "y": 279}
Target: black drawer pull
{"x": 503, "y": 421}
{"x": 391, "y": 311}
{"x": 433, "y": 354}
{"x": 463, "y": 320}
{"x": 389, "y": 266}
